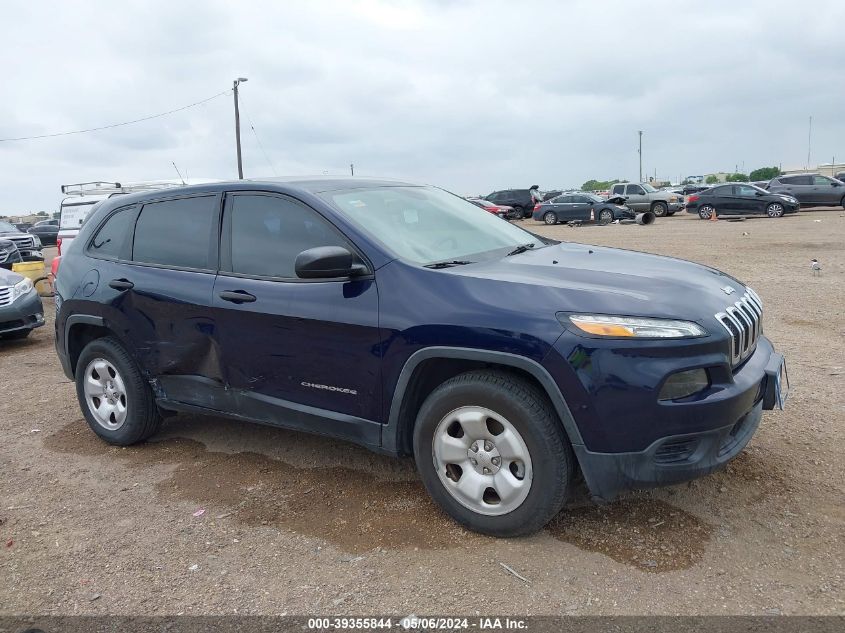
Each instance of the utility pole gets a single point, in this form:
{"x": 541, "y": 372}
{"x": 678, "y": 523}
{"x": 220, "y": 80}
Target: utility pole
{"x": 640, "y": 152}
{"x": 238, "y": 125}
{"x": 809, "y": 141}
{"x": 352, "y": 169}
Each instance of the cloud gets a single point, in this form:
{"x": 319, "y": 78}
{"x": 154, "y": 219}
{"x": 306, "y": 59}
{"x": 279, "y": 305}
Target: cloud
{"x": 471, "y": 95}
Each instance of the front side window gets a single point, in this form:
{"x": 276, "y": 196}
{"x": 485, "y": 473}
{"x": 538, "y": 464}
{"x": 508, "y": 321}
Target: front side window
{"x": 746, "y": 191}
{"x": 176, "y": 232}
{"x": 267, "y": 232}
{"x": 427, "y": 225}
{"x": 822, "y": 180}
{"x": 635, "y": 190}
{"x": 110, "y": 240}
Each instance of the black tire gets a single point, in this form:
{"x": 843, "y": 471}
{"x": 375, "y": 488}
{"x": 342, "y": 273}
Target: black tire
{"x": 531, "y": 414}
{"x": 143, "y": 418}
{"x": 605, "y": 216}
{"x": 842, "y": 202}
{"x": 15, "y": 336}
{"x": 550, "y": 217}
{"x": 519, "y": 212}
{"x": 660, "y": 209}
{"x": 705, "y": 211}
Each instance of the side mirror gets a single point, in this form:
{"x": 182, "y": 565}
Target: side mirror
{"x": 326, "y": 262}
{"x": 833, "y": 183}
{"x": 759, "y": 193}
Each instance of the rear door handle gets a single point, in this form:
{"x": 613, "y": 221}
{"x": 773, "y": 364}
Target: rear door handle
{"x": 237, "y": 296}
{"x": 121, "y": 284}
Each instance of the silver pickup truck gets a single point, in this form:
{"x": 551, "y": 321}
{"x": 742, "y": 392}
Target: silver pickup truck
{"x": 643, "y": 197}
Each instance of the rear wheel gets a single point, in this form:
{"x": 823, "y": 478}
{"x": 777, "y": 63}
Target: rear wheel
{"x": 706, "y": 211}
{"x": 660, "y": 209}
{"x": 774, "y": 209}
{"x": 605, "y": 216}
{"x": 519, "y": 212}
{"x": 492, "y": 453}
{"x": 550, "y": 217}
{"x": 117, "y": 402}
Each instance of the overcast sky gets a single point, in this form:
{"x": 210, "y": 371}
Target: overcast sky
{"x": 469, "y": 95}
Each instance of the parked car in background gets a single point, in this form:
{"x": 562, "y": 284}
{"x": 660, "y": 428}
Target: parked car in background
{"x": 811, "y": 190}
{"x": 581, "y": 207}
{"x": 407, "y": 320}
{"x": 23, "y": 227}
{"x": 740, "y": 199}
{"x": 46, "y": 230}
{"x": 644, "y": 197}
{"x": 840, "y": 176}
{"x": 519, "y": 199}
{"x": 20, "y": 306}
{"x": 9, "y": 254}
{"x": 29, "y": 246}
{"x": 763, "y": 184}
{"x": 689, "y": 189}
{"x": 492, "y": 207}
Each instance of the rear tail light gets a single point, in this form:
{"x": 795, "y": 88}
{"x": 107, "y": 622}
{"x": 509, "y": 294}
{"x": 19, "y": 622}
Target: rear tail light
{"x": 693, "y": 198}
{"x": 54, "y": 266}
{"x": 538, "y": 205}
{"x": 58, "y": 245}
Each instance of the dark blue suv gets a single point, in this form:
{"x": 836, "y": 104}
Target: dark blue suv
{"x": 412, "y": 322}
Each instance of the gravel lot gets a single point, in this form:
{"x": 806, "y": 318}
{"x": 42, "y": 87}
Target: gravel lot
{"x": 299, "y": 524}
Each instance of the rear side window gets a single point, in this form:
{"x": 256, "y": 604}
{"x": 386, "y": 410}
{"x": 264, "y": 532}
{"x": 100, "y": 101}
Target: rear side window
{"x": 176, "y": 232}
{"x": 110, "y": 240}
{"x": 618, "y": 189}
{"x": 266, "y": 233}
{"x": 797, "y": 180}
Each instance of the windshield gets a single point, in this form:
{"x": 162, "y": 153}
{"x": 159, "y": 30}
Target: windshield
{"x": 648, "y": 187}
{"x": 594, "y": 197}
{"x": 427, "y": 225}
{"x": 5, "y": 227}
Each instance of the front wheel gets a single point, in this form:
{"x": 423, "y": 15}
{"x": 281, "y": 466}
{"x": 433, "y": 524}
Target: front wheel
{"x": 774, "y": 210}
{"x": 660, "y": 209}
{"x": 492, "y": 453}
{"x": 605, "y": 216}
{"x": 550, "y": 217}
{"x": 116, "y": 401}
{"x": 706, "y": 211}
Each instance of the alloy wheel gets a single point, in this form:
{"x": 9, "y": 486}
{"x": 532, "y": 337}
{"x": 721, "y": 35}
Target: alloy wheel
{"x": 705, "y": 211}
{"x": 550, "y": 218}
{"x": 774, "y": 210}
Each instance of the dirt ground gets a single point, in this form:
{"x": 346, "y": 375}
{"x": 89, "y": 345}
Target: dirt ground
{"x": 299, "y": 524}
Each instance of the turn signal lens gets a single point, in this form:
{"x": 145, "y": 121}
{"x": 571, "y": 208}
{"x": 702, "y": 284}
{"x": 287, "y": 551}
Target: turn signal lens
{"x": 635, "y": 327}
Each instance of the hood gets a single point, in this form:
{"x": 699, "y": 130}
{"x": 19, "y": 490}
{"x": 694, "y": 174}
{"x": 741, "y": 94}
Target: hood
{"x": 572, "y": 277}
{"x": 8, "y": 278}
{"x": 15, "y": 233}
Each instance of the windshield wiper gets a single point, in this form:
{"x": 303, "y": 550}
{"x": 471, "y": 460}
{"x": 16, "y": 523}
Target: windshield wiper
{"x": 521, "y": 249}
{"x": 454, "y": 262}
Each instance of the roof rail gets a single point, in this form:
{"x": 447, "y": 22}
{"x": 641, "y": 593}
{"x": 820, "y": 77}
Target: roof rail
{"x": 99, "y": 187}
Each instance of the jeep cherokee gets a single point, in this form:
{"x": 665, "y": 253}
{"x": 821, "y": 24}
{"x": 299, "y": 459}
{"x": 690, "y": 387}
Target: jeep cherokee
{"x": 412, "y": 322}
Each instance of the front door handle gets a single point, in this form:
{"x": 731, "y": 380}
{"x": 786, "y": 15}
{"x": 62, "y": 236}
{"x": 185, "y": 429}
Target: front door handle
{"x": 237, "y": 296}
{"x": 121, "y": 284}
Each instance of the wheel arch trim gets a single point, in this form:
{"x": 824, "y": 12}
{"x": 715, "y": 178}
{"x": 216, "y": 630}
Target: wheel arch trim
{"x": 70, "y": 322}
{"x": 390, "y": 435}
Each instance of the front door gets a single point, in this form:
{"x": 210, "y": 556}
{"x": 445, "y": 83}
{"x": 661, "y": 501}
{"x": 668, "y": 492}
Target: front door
{"x": 637, "y": 198}
{"x": 746, "y": 201}
{"x": 293, "y": 351}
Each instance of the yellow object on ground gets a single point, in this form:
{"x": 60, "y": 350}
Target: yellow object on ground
{"x": 35, "y": 271}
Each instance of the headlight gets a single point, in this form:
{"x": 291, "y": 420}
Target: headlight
{"x": 634, "y": 327}
{"x": 684, "y": 383}
{"x": 22, "y": 288}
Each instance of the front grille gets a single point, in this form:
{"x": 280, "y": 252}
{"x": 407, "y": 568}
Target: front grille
{"x": 5, "y": 295}
{"x": 23, "y": 241}
{"x": 744, "y": 322}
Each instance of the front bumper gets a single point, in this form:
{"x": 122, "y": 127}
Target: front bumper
{"x": 681, "y": 457}
{"x": 26, "y": 313}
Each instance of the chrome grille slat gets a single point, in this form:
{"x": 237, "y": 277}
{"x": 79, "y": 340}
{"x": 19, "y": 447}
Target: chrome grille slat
{"x": 5, "y": 295}
{"x": 744, "y": 323}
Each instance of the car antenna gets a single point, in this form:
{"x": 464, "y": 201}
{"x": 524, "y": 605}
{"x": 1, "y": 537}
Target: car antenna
{"x": 177, "y": 171}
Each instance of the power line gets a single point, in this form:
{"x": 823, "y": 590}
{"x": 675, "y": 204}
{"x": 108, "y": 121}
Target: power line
{"x": 113, "y": 125}
{"x": 260, "y": 145}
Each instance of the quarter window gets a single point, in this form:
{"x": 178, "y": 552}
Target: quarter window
{"x": 111, "y": 238}
{"x": 266, "y": 233}
{"x": 176, "y": 232}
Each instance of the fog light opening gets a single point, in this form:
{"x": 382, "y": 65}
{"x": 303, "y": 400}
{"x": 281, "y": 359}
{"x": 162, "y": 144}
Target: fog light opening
{"x": 684, "y": 384}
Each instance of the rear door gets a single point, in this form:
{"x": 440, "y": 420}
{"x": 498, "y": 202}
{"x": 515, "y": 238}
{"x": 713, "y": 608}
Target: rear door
{"x": 637, "y": 198}
{"x": 826, "y": 191}
{"x": 290, "y": 345}
{"x": 799, "y": 187}
{"x": 157, "y": 277}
